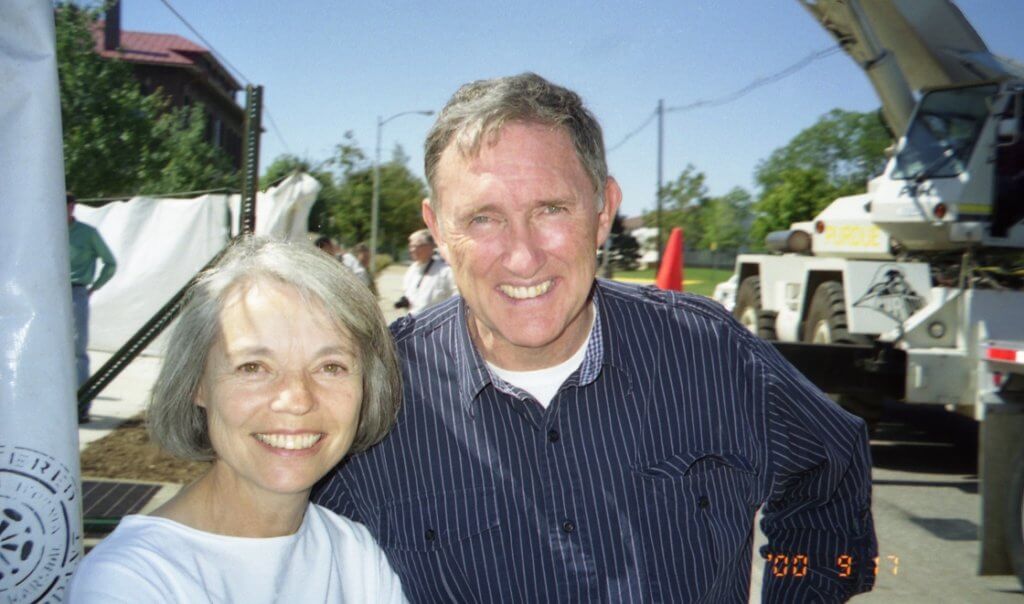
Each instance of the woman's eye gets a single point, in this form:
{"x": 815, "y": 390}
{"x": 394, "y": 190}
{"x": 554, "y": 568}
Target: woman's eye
{"x": 335, "y": 369}
{"x": 249, "y": 368}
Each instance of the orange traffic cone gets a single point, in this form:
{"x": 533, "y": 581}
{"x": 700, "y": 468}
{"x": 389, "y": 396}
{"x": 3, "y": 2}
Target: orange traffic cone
{"x": 670, "y": 275}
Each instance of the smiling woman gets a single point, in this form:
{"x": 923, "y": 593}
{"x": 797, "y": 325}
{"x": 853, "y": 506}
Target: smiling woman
{"x": 279, "y": 367}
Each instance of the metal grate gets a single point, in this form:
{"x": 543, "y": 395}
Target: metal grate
{"x": 115, "y": 499}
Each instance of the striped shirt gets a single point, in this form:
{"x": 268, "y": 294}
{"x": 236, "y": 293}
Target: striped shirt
{"x": 639, "y": 483}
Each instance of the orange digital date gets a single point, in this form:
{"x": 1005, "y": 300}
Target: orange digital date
{"x": 797, "y": 565}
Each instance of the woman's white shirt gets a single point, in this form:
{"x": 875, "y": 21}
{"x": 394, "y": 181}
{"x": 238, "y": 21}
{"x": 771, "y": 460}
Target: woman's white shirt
{"x": 150, "y": 559}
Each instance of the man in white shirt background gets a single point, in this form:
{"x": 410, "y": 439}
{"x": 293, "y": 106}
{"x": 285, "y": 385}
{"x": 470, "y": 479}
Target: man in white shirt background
{"x": 429, "y": 280}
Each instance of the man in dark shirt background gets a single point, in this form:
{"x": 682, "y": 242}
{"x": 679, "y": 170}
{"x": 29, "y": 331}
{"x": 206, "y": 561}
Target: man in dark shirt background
{"x": 569, "y": 439}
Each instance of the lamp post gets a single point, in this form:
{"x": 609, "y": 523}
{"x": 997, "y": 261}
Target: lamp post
{"x": 375, "y": 203}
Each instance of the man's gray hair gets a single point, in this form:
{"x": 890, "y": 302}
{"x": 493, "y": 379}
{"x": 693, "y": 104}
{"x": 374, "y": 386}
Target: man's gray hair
{"x": 421, "y": 237}
{"x": 478, "y": 111}
{"x": 179, "y": 426}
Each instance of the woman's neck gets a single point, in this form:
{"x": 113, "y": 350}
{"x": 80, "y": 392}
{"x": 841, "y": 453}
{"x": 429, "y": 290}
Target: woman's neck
{"x": 218, "y": 504}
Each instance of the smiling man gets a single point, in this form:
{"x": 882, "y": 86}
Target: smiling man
{"x": 569, "y": 439}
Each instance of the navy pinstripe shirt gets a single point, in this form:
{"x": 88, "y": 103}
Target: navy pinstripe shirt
{"x": 638, "y": 483}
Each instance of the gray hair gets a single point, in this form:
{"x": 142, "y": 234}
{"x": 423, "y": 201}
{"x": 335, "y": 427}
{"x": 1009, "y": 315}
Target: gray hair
{"x": 179, "y": 426}
{"x": 421, "y": 237}
{"x": 479, "y": 110}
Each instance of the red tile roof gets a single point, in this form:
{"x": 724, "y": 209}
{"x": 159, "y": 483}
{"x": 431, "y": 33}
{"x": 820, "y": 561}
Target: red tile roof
{"x": 143, "y": 47}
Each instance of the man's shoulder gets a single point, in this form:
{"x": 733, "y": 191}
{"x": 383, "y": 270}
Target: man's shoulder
{"x": 648, "y": 301}
{"x": 427, "y": 324}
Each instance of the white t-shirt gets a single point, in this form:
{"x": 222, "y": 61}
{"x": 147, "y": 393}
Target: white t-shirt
{"x": 543, "y": 384}
{"x": 424, "y": 290}
{"x": 352, "y": 263}
{"x": 150, "y": 559}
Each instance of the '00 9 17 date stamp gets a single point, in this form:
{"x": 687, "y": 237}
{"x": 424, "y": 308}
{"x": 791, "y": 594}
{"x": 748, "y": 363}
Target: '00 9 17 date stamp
{"x": 798, "y": 565}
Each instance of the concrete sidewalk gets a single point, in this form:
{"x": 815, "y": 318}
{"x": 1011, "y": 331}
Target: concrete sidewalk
{"x": 128, "y": 395}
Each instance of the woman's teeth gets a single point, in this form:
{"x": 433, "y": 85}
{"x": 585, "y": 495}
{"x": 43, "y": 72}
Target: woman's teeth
{"x": 525, "y": 293}
{"x": 291, "y": 442}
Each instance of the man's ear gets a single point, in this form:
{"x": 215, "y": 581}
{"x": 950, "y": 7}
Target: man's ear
{"x": 612, "y": 201}
{"x": 433, "y": 222}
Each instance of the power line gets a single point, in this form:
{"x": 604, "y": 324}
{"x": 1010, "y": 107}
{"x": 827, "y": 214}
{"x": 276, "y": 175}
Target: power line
{"x": 723, "y": 100}
{"x": 213, "y": 50}
{"x": 635, "y": 131}
{"x": 759, "y": 82}
{"x": 220, "y": 57}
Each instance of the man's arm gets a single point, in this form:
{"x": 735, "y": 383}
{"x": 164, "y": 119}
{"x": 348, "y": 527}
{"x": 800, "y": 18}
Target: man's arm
{"x": 821, "y": 537}
{"x": 109, "y": 264}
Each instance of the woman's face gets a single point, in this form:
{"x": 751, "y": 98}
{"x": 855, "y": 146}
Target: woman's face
{"x": 282, "y": 390}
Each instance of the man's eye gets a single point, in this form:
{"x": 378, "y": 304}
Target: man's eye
{"x": 481, "y": 219}
{"x": 554, "y": 209}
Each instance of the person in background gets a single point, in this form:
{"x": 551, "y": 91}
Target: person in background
{"x": 279, "y": 367}
{"x": 570, "y": 439}
{"x": 346, "y": 259}
{"x": 86, "y": 246}
{"x": 428, "y": 280}
{"x": 362, "y": 254}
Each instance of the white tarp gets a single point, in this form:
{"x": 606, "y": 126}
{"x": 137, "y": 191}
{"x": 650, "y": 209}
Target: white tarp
{"x": 159, "y": 244}
{"x": 40, "y": 510}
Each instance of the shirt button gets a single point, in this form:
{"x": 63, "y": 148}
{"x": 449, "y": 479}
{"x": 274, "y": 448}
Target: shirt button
{"x": 568, "y": 526}
{"x": 704, "y": 502}
{"x": 430, "y": 535}
{"x": 553, "y": 436}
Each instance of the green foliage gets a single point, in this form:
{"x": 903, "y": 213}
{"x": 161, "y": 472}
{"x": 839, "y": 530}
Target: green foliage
{"x": 118, "y": 141}
{"x": 832, "y": 158}
{"x": 708, "y": 222}
{"x": 342, "y": 209}
{"x": 181, "y": 159}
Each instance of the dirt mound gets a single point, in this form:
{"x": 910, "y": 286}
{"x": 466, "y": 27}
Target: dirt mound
{"x": 127, "y": 453}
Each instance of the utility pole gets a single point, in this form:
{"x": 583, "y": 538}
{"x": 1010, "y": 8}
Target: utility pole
{"x": 661, "y": 144}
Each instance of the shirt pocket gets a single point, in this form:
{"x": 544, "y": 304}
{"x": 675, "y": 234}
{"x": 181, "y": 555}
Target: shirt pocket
{"x": 445, "y": 543}
{"x": 701, "y": 505}
{"x": 438, "y": 520}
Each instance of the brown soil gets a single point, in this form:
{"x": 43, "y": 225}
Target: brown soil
{"x": 128, "y": 454}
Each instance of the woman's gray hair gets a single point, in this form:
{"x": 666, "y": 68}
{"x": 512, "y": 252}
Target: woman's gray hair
{"x": 179, "y": 426}
{"x": 478, "y": 111}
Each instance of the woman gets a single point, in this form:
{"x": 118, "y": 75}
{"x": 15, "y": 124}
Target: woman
{"x": 280, "y": 365}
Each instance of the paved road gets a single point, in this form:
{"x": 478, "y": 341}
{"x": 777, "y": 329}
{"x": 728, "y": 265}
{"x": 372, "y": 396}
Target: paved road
{"x": 927, "y": 512}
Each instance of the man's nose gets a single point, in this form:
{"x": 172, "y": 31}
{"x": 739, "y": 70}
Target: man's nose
{"x": 525, "y": 254}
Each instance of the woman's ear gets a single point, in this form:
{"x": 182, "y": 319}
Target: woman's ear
{"x": 200, "y": 400}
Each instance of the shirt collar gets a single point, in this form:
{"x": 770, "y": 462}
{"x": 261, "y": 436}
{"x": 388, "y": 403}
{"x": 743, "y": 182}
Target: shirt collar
{"x": 474, "y": 375}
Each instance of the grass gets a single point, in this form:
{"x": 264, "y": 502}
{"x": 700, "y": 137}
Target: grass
{"x": 706, "y": 278}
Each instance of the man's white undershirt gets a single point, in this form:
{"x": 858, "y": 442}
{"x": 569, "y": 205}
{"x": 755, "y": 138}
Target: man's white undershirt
{"x": 543, "y": 384}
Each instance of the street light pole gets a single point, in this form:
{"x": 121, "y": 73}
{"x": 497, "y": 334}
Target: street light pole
{"x": 375, "y": 201}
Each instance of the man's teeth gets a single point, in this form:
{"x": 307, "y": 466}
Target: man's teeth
{"x": 291, "y": 442}
{"x": 525, "y": 293}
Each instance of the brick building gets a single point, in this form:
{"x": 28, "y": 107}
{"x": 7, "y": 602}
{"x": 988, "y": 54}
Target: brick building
{"x": 186, "y": 72}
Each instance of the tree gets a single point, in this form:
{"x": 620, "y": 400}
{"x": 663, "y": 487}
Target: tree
{"x": 725, "y": 221}
{"x": 832, "y": 158}
{"x": 683, "y": 202}
{"x": 118, "y": 141}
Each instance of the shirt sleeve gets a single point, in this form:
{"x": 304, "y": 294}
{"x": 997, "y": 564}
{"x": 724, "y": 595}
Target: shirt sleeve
{"x": 109, "y": 264}
{"x": 105, "y": 581}
{"x": 821, "y": 536}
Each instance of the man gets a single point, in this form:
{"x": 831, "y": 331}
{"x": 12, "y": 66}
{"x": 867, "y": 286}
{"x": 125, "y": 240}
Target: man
{"x": 428, "y": 280}
{"x": 567, "y": 439}
{"x": 86, "y": 247}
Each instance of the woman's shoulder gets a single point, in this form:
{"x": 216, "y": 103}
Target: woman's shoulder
{"x": 350, "y": 532}
{"x": 124, "y": 566}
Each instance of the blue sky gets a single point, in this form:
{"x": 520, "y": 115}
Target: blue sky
{"x": 328, "y": 67}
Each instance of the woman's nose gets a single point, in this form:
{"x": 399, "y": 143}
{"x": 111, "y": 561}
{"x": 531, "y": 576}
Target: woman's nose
{"x": 295, "y": 396}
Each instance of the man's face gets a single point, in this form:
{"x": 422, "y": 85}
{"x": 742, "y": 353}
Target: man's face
{"x": 419, "y": 250}
{"x": 520, "y": 227}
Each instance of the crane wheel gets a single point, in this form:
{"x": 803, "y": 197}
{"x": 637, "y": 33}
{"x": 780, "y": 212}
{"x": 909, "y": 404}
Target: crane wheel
{"x": 749, "y": 311}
